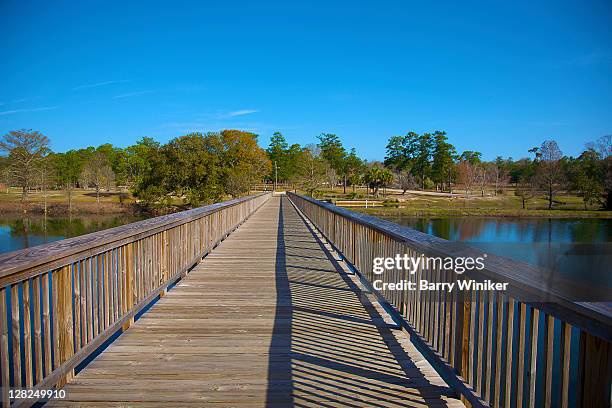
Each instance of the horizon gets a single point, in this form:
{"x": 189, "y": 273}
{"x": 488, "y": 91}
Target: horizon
{"x": 521, "y": 73}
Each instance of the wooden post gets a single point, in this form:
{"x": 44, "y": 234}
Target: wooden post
{"x": 595, "y": 371}
{"x": 129, "y": 282}
{"x": 65, "y": 343}
{"x": 4, "y": 349}
{"x": 462, "y": 307}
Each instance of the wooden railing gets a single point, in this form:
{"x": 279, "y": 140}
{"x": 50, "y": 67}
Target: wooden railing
{"x": 526, "y": 346}
{"x": 61, "y": 301}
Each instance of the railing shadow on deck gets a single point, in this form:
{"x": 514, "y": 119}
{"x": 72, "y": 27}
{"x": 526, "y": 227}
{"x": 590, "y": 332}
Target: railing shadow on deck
{"x": 324, "y": 350}
{"x": 280, "y": 381}
{"x": 556, "y": 352}
{"x": 61, "y": 302}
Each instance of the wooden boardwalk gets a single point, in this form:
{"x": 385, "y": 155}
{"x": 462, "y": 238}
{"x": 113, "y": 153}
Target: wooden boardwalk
{"x": 269, "y": 318}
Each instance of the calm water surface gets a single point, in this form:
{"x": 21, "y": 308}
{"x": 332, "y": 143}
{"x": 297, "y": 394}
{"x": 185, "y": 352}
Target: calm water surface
{"x": 18, "y": 233}
{"x": 577, "y": 248}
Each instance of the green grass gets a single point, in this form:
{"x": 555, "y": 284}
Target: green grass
{"x": 60, "y": 196}
{"x": 506, "y": 205}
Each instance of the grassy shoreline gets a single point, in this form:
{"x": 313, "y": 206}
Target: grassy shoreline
{"x": 430, "y": 204}
{"x": 479, "y": 212}
{"x": 83, "y": 202}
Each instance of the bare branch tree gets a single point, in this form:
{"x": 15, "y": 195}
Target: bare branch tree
{"x": 25, "y": 150}
{"x": 98, "y": 173}
{"x": 549, "y": 173}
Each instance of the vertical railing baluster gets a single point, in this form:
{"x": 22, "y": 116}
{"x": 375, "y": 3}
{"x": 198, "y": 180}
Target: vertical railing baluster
{"x": 15, "y": 318}
{"x": 4, "y": 349}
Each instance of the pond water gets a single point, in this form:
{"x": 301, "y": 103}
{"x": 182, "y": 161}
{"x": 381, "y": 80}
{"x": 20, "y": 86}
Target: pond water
{"x": 17, "y": 232}
{"x": 576, "y": 248}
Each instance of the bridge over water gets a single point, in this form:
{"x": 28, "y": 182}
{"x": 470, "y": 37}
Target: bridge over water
{"x": 266, "y": 301}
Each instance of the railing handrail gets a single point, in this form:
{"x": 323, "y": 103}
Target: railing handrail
{"x": 594, "y": 317}
{"x": 64, "y": 300}
{"x": 22, "y": 264}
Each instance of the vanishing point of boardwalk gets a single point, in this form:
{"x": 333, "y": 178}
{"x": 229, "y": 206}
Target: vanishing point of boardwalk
{"x": 268, "y": 318}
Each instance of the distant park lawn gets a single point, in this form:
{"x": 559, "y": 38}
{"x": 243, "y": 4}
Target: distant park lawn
{"x": 507, "y": 205}
{"x": 83, "y": 201}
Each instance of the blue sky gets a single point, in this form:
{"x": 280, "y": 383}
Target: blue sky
{"x": 499, "y": 77}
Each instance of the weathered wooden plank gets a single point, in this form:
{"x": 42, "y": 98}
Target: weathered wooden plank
{"x": 47, "y": 342}
{"x": 595, "y": 371}
{"x": 38, "y": 348}
{"x": 549, "y": 338}
{"x": 16, "y": 339}
{"x": 64, "y": 318}
{"x": 27, "y": 336}
{"x": 521, "y": 354}
{"x": 534, "y": 318}
{"x": 77, "y": 305}
{"x": 566, "y": 340}
{"x": 4, "y": 348}
{"x": 509, "y": 363}
{"x": 288, "y": 329}
{"x": 498, "y": 352}
{"x": 488, "y": 373}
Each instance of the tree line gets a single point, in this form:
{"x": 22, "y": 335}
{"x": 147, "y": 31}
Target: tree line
{"x": 201, "y": 168}
{"x": 192, "y": 170}
{"x": 428, "y": 161}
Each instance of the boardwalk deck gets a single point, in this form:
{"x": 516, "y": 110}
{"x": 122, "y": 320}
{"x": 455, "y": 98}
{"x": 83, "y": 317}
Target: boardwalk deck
{"x": 267, "y": 319}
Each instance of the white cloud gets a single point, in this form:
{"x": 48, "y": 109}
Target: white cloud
{"x": 10, "y": 112}
{"x": 130, "y": 94}
{"x": 241, "y": 112}
{"x": 97, "y": 84}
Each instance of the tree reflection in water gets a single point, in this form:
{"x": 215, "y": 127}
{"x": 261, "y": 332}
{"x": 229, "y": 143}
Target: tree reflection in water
{"x": 24, "y": 232}
{"x": 574, "y": 248}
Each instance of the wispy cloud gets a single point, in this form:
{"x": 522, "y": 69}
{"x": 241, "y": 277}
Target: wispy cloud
{"x": 130, "y": 94}
{"x": 13, "y": 111}
{"x": 98, "y": 84}
{"x": 241, "y": 112}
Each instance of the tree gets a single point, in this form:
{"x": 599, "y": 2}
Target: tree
{"x": 442, "y": 168}
{"x": 466, "y": 175}
{"x": 481, "y": 176}
{"x": 116, "y": 159}
{"x": 294, "y": 164}
{"x": 46, "y": 174}
{"x": 278, "y": 153}
{"x": 399, "y": 157}
{"x": 422, "y": 157}
{"x": 412, "y": 152}
{"x": 524, "y": 190}
{"x": 406, "y": 181}
{"x": 603, "y": 146}
{"x": 354, "y": 167}
{"x": 334, "y": 154}
{"x": 549, "y": 173}
{"x": 97, "y": 172}
{"x": 139, "y": 158}
{"x": 68, "y": 167}
{"x": 5, "y": 172}
{"x": 186, "y": 168}
{"x": 586, "y": 177}
{"x": 199, "y": 168}
{"x": 500, "y": 172}
{"x": 312, "y": 169}
{"x": 25, "y": 149}
{"x": 243, "y": 156}
{"x": 377, "y": 177}
{"x": 471, "y": 157}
